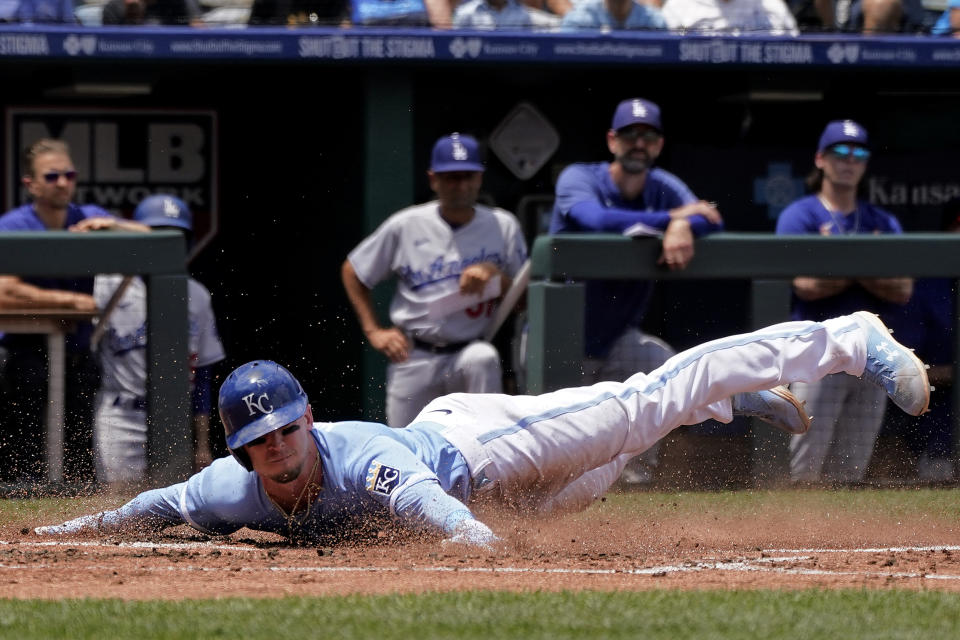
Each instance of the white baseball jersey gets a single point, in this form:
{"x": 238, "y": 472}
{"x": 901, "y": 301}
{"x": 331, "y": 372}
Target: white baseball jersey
{"x": 770, "y": 17}
{"x": 123, "y": 348}
{"x": 427, "y": 256}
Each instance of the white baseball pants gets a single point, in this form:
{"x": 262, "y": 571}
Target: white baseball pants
{"x": 562, "y": 450}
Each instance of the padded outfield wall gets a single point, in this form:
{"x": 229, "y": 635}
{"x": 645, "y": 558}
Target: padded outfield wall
{"x": 292, "y": 144}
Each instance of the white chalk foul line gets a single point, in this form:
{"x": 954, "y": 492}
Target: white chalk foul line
{"x": 651, "y": 571}
{"x": 206, "y": 546}
{"x": 868, "y": 549}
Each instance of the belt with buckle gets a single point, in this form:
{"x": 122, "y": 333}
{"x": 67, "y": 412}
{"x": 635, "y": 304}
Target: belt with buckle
{"x": 445, "y": 349}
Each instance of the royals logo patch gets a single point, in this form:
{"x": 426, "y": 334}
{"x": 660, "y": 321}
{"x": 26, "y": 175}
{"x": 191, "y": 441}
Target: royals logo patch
{"x": 382, "y": 479}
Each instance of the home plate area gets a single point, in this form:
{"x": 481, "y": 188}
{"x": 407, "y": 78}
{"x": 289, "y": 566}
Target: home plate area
{"x": 255, "y": 565}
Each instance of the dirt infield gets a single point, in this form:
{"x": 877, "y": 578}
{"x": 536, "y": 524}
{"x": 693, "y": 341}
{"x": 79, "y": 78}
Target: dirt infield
{"x": 602, "y": 549}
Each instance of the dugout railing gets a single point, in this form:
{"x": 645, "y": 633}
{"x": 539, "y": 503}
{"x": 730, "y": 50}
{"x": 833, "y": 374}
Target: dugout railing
{"x": 160, "y": 259}
{"x": 561, "y": 263}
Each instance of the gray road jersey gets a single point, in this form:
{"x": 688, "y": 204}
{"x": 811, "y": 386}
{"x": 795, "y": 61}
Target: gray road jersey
{"x": 427, "y": 257}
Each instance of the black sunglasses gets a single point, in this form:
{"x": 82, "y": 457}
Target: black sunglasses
{"x": 287, "y": 430}
{"x": 52, "y": 176}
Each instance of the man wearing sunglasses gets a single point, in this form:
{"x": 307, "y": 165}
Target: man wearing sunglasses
{"x": 50, "y": 179}
{"x": 537, "y": 455}
{"x": 848, "y": 412}
{"x": 609, "y": 197}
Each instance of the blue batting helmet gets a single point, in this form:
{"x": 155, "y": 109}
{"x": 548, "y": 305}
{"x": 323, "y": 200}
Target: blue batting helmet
{"x": 164, "y": 211}
{"x": 255, "y": 399}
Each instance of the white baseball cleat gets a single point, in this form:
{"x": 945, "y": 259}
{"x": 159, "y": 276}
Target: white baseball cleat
{"x": 894, "y": 367}
{"x": 775, "y": 406}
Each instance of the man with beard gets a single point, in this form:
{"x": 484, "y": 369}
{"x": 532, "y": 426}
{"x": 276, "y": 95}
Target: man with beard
{"x": 609, "y": 197}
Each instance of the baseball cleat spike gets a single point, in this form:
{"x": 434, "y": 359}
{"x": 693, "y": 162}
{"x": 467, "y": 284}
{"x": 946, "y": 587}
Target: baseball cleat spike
{"x": 775, "y": 406}
{"x": 894, "y": 367}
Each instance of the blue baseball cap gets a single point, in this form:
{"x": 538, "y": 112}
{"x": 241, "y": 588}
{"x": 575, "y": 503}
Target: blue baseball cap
{"x": 456, "y": 152}
{"x": 636, "y": 111}
{"x": 842, "y": 132}
{"x": 164, "y": 211}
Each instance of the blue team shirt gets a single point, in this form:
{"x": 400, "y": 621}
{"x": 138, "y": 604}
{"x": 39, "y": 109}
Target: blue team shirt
{"x": 371, "y": 474}
{"x": 942, "y": 26}
{"x": 25, "y": 218}
{"x": 479, "y": 14}
{"x": 614, "y": 305}
{"x": 593, "y": 14}
{"x": 808, "y": 216}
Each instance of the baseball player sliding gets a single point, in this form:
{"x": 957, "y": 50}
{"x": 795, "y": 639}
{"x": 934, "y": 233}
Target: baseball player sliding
{"x": 452, "y": 259}
{"x": 540, "y": 454}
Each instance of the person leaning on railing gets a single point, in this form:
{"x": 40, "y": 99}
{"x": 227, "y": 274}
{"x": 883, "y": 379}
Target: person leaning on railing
{"x": 50, "y": 179}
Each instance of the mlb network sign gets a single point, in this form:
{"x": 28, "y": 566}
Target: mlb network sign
{"x": 125, "y": 155}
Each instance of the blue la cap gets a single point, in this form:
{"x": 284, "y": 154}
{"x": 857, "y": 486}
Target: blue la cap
{"x": 842, "y": 131}
{"x": 456, "y": 152}
{"x": 164, "y": 211}
{"x": 636, "y": 111}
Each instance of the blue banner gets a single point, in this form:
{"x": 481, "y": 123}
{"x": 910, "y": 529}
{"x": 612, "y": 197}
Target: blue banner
{"x": 412, "y": 44}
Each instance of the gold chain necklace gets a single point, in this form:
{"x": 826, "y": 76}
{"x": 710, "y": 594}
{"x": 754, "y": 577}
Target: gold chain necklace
{"x": 837, "y": 222}
{"x": 291, "y": 517}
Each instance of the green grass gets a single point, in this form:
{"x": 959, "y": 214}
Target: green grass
{"x": 892, "y": 503}
{"x": 770, "y": 615}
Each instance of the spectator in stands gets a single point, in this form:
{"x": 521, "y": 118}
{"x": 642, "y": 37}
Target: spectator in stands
{"x": 949, "y": 22}
{"x": 609, "y": 15}
{"x": 151, "y": 12}
{"x": 37, "y": 11}
{"x": 880, "y": 16}
{"x": 814, "y": 15}
{"x": 50, "y": 178}
{"x": 492, "y": 14}
{"x": 557, "y": 8}
{"x": 848, "y": 415}
{"x": 767, "y": 17}
{"x": 609, "y": 197}
{"x": 300, "y": 12}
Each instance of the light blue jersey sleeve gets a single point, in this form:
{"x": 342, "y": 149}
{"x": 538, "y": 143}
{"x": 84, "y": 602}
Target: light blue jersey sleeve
{"x": 395, "y": 477}
{"x": 219, "y": 500}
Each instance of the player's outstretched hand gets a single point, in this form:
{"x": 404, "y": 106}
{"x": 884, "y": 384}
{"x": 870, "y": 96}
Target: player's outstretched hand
{"x": 473, "y": 533}
{"x": 390, "y": 342}
{"x": 83, "y": 524}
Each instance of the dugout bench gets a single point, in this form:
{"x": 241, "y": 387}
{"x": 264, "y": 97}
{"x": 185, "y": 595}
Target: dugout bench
{"x": 556, "y": 300}
{"x": 160, "y": 258}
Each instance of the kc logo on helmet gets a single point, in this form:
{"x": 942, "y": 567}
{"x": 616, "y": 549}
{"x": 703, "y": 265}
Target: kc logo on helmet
{"x": 850, "y": 129}
{"x": 258, "y": 403}
{"x": 639, "y": 109}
